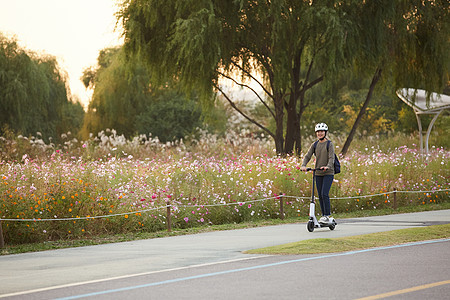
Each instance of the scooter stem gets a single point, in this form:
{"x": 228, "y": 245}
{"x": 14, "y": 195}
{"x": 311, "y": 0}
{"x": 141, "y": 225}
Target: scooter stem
{"x": 313, "y": 186}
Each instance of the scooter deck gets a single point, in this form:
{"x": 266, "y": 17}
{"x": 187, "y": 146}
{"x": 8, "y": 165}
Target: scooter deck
{"x": 313, "y": 223}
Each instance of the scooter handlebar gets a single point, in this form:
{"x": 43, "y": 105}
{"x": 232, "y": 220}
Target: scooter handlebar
{"x": 312, "y": 169}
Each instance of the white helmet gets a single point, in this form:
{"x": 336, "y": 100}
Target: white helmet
{"x": 321, "y": 126}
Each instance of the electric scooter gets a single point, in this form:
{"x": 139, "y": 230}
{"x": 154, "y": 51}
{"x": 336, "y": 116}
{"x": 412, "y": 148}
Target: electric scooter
{"x": 313, "y": 223}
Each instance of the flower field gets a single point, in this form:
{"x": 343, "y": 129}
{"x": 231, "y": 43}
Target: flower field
{"x": 109, "y": 185}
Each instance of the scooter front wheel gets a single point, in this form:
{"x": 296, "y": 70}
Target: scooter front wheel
{"x": 310, "y": 226}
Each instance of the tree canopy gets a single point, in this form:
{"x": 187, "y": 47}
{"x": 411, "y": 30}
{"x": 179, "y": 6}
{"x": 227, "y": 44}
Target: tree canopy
{"x": 126, "y": 100}
{"x": 34, "y": 94}
{"x": 403, "y": 42}
{"x": 293, "y": 44}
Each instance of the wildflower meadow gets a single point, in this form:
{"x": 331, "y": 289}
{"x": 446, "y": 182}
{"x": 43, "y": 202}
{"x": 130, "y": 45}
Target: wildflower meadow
{"x": 110, "y": 185}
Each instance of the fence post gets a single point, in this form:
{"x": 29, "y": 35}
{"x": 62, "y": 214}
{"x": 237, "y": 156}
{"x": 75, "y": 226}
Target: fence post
{"x": 169, "y": 220}
{"x": 2, "y": 241}
{"x": 281, "y": 208}
{"x": 395, "y": 198}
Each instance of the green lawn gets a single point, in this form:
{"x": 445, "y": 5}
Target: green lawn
{"x": 358, "y": 242}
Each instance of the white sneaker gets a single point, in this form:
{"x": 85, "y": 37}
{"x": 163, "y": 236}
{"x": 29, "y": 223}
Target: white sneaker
{"x": 324, "y": 220}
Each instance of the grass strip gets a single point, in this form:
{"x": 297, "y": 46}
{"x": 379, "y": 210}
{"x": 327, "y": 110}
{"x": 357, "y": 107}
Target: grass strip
{"x": 358, "y": 242}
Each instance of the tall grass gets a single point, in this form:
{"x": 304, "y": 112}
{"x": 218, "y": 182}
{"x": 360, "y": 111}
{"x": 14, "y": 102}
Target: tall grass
{"x": 210, "y": 180}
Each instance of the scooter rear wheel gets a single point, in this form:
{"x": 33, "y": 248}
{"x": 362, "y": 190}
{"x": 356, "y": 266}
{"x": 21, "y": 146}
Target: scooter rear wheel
{"x": 310, "y": 226}
{"x": 332, "y": 227}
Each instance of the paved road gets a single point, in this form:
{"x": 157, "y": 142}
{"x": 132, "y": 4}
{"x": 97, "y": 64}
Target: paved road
{"x": 221, "y": 252}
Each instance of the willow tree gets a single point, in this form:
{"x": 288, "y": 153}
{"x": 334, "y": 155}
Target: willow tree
{"x": 118, "y": 91}
{"x": 125, "y": 99}
{"x": 34, "y": 96}
{"x": 292, "y": 44}
{"x": 405, "y": 42}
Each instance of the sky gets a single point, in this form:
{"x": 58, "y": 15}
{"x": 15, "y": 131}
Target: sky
{"x": 74, "y": 31}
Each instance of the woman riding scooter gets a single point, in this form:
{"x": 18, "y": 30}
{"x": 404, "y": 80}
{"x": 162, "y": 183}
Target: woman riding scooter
{"x": 324, "y": 151}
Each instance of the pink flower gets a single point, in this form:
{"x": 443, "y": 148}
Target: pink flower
{"x": 186, "y": 219}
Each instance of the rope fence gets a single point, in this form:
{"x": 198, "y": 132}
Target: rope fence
{"x": 169, "y": 206}
{"x": 212, "y": 205}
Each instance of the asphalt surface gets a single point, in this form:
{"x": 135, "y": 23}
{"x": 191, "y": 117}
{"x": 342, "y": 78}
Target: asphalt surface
{"x": 212, "y": 266}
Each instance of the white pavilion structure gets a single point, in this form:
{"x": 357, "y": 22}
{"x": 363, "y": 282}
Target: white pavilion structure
{"x": 435, "y": 105}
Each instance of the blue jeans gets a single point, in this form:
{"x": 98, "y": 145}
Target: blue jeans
{"x": 323, "y": 189}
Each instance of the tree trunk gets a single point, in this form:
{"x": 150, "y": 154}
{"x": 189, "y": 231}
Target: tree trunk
{"x": 298, "y": 143}
{"x": 279, "y": 116}
{"x": 291, "y": 124}
{"x": 376, "y": 77}
{"x": 301, "y": 109}
{"x": 293, "y": 133}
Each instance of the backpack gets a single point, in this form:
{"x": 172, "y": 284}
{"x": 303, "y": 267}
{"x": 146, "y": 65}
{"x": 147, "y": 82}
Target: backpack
{"x": 337, "y": 164}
